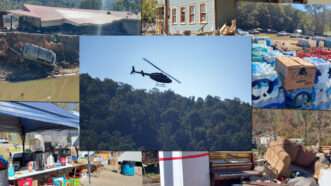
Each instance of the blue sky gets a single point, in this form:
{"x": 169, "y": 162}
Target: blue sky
{"x": 302, "y": 7}
{"x": 217, "y": 66}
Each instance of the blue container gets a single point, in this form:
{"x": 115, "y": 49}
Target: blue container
{"x": 11, "y": 170}
{"x": 127, "y": 169}
{"x": 327, "y": 43}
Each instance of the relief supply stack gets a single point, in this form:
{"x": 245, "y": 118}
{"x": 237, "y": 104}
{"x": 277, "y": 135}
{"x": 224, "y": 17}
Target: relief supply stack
{"x": 321, "y": 97}
{"x": 297, "y": 76}
{"x": 266, "y": 86}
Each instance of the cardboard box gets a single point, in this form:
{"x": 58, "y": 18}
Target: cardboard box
{"x": 279, "y": 160}
{"x": 295, "y": 72}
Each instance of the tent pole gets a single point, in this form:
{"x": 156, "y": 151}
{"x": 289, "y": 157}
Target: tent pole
{"x": 89, "y": 167}
{"x": 23, "y": 144}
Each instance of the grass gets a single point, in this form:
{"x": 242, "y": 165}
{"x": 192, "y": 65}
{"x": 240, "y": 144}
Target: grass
{"x": 59, "y": 89}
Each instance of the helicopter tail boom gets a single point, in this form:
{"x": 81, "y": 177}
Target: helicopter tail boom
{"x": 133, "y": 70}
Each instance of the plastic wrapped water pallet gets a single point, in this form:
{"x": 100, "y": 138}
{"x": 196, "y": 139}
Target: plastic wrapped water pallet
{"x": 321, "y": 96}
{"x": 270, "y": 58}
{"x": 323, "y": 73}
{"x": 258, "y": 52}
{"x": 301, "y": 98}
{"x": 266, "y": 87}
{"x": 290, "y": 53}
{"x": 265, "y": 40}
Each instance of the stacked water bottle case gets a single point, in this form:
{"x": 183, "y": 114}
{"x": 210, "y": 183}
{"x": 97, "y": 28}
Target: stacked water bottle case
{"x": 281, "y": 80}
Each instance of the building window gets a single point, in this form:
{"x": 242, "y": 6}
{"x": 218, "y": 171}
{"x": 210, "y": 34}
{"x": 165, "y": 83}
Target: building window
{"x": 192, "y": 14}
{"x": 182, "y": 14}
{"x": 174, "y": 16}
{"x": 203, "y": 13}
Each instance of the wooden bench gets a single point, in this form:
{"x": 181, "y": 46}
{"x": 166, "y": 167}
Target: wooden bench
{"x": 231, "y": 165}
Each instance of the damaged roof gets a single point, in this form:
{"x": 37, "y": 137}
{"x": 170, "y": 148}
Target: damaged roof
{"x": 52, "y": 16}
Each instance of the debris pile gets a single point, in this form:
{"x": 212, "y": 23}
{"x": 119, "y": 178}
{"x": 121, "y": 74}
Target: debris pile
{"x": 35, "y": 56}
{"x": 291, "y": 164}
{"x": 228, "y": 30}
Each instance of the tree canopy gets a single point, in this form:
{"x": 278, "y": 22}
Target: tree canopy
{"x": 312, "y": 126}
{"x": 312, "y": 19}
{"x": 115, "y": 116}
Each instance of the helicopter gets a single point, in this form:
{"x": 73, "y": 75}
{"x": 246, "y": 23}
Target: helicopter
{"x": 160, "y": 77}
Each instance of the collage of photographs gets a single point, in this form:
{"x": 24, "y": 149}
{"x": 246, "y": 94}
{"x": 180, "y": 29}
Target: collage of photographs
{"x": 107, "y": 93}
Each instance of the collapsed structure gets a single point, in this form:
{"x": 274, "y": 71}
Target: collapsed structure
{"x": 36, "y": 18}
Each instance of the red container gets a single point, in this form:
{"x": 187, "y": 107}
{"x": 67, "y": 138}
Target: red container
{"x": 25, "y": 182}
{"x": 63, "y": 161}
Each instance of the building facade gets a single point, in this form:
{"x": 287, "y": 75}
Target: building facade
{"x": 199, "y": 16}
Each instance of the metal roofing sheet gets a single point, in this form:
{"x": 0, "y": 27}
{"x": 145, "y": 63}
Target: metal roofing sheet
{"x": 36, "y": 116}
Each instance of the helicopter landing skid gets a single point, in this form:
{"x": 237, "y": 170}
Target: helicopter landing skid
{"x": 160, "y": 85}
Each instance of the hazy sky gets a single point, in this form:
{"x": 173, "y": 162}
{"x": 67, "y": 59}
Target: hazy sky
{"x": 217, "y": 66}
{"x": 302, "y": 7}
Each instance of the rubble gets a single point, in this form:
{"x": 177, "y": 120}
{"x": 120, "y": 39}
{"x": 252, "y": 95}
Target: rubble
{"x": 295, "y": 165}
{"x": 228, "y": 30}
{"x": 302, "y": 181}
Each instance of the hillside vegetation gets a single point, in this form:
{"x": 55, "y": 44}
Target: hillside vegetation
{"x": 115, "y": 116}
{"x": 312, "y": 126}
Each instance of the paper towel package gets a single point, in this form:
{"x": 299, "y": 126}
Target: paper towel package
{"x": 184, "y": 168}
{"x": 266, "y": 86}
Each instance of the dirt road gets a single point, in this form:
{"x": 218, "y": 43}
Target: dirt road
{"x": 109, "y": 178}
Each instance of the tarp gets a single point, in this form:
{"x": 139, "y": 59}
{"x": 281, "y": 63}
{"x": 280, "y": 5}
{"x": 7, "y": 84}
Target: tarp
{"x": 36, "y": 116}
{"x": 130, "y": 156}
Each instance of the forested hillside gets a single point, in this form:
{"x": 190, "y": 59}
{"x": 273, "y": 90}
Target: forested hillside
{"x": 130, "y": 5}
{"x": 312, "y": 19}
{"x": 312, "y": 126}
{"x": 115, "y": 116}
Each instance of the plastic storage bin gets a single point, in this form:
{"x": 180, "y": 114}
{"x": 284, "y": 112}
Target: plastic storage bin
{"x": 128, "y": 169}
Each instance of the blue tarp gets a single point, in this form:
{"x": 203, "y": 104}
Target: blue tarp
{"x": 35, "y": 116}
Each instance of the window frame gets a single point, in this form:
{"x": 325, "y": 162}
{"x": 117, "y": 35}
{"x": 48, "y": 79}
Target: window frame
{"x": 192, "y": 12}
{"x": 205, "y": 13}
{"x": 174, "y": 16}
{"x": 181, "y": 15}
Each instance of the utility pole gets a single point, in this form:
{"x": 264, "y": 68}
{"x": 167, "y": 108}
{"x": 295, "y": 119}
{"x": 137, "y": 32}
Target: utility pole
{"x": 166, "y": 16}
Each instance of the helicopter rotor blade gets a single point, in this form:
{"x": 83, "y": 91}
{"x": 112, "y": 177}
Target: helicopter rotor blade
{"x": 161, "y": 70}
